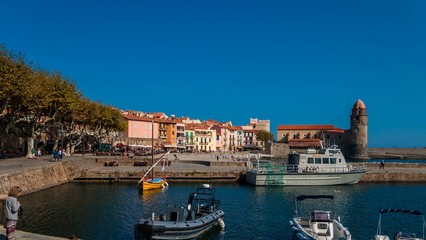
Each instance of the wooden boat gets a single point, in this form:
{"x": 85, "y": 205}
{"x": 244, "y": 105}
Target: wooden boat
{"x": 154, "y": 182}
{"x": 149, "y": 183}
{"x": 399, "y": 235}
{"x": 326, "y": 167}
{"x": 319, "y": 225}
{"x": 184, "y": 222}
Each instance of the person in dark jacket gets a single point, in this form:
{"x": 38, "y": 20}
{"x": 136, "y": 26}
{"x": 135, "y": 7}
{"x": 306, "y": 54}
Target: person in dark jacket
{"x": 12, "y": 211}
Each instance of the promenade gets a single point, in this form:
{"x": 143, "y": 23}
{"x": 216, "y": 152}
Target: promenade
{"x": 188, "y": 162}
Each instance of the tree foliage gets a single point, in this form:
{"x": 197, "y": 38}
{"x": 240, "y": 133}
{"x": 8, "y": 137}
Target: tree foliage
{"x": 33, "y": 99}
{"x": 264, "y": 136}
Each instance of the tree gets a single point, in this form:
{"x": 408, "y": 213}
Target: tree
{"x": 264, "y": 136}
{"x": 33, "y": 101}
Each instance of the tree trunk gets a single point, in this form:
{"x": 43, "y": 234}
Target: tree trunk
{"x": 30, "y": 143}
{"x": 30, "y": 146}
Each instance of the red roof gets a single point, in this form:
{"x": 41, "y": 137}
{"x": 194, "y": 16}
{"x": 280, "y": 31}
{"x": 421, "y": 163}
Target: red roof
{"x": 306, "y": 127}
{"x": 304, "y": 143}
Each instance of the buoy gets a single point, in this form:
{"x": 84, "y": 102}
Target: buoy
{"x": 221, "y": 223}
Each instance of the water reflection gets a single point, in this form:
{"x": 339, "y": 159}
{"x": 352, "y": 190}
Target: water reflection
{"x": 109, "y": 211}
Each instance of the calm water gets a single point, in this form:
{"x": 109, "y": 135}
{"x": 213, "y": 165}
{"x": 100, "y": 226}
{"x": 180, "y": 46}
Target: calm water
{"x": 109, "y": 211}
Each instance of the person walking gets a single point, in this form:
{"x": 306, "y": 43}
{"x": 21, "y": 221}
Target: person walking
{"x": 382, "y": 164}
{"x": 13, "y": 207}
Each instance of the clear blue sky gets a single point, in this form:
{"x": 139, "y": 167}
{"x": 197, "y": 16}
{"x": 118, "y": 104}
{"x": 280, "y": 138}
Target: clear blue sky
{"x": 293, "y": 62}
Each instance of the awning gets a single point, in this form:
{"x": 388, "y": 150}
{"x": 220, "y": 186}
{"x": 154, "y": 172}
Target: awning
{"x": 140, "y": 146}
{"x": 181, "y": 147}
{"x": 169, "y": 146}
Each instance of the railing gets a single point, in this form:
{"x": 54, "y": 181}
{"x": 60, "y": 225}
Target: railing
{"x": 291, "y": 168}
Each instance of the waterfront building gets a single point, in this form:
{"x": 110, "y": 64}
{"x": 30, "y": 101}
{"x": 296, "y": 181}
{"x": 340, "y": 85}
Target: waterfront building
{"x": 308, "y": 136}
{"x": 225, "y": 139}
{"x": 353, "y": 141}
{"x": 139, "y": 131}
{"x": 168, "y": 133}
{"x": 204, "y": 138}
{"x": 260, "y": 124}
{"x": 180, "y": 136}
{"x": 189, "y": 139}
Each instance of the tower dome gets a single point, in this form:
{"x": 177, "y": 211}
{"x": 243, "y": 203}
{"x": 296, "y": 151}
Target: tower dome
{"x": 359, "y": 104}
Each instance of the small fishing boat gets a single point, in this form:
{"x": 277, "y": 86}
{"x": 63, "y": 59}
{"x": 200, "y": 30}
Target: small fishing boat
{"x": 399, "y": 235}
{"x": 324, "y": 167}
{"x": 153, "y": 182}
{"x": 184, "y": 222}
{"x": 319, "y": 225}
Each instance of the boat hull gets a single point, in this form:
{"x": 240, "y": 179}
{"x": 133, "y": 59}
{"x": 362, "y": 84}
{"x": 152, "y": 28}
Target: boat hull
{"x": 301, "y": 179}
{"x": 300, "y": 233}
{"x": 146, "y": 228}
{"x": 150, "y": 185}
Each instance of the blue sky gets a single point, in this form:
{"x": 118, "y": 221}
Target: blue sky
{"x": 293, "y": 62}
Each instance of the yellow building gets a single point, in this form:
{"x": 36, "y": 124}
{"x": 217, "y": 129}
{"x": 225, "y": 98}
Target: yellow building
{"x": 203, "y": 138}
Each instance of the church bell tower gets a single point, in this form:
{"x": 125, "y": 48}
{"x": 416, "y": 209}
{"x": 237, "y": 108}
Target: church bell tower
{"x": 358, "y": 135}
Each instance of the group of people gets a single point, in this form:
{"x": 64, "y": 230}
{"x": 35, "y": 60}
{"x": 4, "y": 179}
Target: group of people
{"x": 58, "y": 155}
{"x": 13, "y": 210}
{"x": 35, "y": 154}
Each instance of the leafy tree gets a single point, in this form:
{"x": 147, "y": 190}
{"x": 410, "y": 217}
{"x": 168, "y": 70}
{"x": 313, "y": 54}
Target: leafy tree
{"x": 264, "y": 136}
{"x": 33, "y": 101}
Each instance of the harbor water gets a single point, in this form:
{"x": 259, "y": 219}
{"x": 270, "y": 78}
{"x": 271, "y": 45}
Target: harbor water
{"x": 110, "y": 211}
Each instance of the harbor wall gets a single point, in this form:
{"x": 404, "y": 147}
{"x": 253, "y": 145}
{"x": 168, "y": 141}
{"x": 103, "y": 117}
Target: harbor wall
{"x": 392, "y": 177}
{"x": 32, "y": 180}
{"x": 397, "y": 153}
{"x": 43, "y": 177}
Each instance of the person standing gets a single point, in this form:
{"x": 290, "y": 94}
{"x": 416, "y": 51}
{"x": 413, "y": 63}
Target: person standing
{"x": 38, "y": 153}
{"x": 12, "y": 208}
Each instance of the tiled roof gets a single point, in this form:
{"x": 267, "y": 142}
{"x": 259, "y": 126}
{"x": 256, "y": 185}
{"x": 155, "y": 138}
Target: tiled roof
{"x": 304, "y": 143}
{"x": 306, "y": 127}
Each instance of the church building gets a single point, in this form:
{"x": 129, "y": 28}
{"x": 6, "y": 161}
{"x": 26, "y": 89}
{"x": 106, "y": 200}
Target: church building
{"x": 353, "y": 141}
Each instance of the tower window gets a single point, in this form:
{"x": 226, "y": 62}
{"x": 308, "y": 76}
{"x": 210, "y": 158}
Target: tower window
{"x": 357, "y": 118}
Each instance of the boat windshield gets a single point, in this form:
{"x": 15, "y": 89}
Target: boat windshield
{"x": 320, "y": 216}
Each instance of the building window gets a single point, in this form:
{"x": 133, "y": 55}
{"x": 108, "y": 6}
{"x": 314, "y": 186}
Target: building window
{"x": 310, "y": 160}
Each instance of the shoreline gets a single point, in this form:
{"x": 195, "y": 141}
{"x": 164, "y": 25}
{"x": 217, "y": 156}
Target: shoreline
{"x": 44, "y": 174}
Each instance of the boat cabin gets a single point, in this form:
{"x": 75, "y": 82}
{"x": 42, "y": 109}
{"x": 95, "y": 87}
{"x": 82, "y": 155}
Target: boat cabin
{"x": 326, "y": 160}
{"x": 321, "y": 223}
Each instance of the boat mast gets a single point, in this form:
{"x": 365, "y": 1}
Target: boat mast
{"x": 152, "y": 147}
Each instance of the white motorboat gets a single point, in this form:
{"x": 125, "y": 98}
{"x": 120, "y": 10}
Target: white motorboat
{"x": 325, "y": 167}
{"x": 399, "y": 235}
{"x": 320, "y": 224}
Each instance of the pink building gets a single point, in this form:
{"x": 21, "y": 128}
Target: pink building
{"x": 139, "y": 130}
